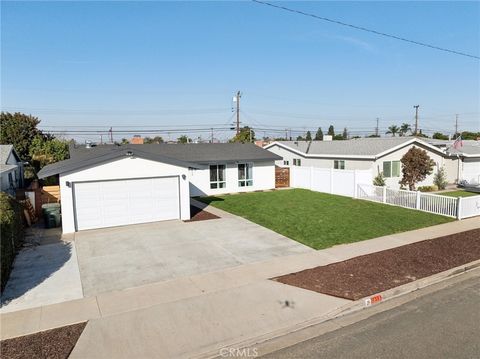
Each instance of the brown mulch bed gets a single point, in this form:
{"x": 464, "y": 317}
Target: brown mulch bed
{"x": 56, "y": 343}
{"x": 370, "y": 274}
{"x": 198, "y": 214}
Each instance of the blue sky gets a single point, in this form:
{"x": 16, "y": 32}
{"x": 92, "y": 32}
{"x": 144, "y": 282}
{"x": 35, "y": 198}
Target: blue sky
{"x": 174, "y": 64}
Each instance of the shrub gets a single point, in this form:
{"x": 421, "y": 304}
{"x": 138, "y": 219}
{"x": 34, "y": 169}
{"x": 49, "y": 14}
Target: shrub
{"x": 12, "y": 233}
{"x": 440, "y": 178}
{"x": 428, "y": 188}
{"x": 379, "y": 180}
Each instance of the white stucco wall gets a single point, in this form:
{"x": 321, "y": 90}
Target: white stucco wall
{"x": 397, "y": 156}
{"x": 263, "y": 174}
{"x": 124, "y": 168}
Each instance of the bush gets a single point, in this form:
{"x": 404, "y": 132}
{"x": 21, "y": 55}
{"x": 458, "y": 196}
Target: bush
{"x": 379, "y": 180}
{"x": 12, "y": 233}
{"x": 428, "y": 188}
{"x": 440, "y": 179}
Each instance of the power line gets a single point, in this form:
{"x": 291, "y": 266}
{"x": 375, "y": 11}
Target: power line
{"x": 366, "y": 29}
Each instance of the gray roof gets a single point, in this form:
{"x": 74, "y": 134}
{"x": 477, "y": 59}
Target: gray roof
{"x": 469, "y": 148}
{"x": 355, "y": 147}
{"x": 4, "y": 153}
{"x": 6, "y": 168}
{"x": 186, "y": 155}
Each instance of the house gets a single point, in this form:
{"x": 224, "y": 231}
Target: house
{"x": 113, "y": 185}
{"x": 374, "y": 154}
{"x": 464, "y": 161}
{"x": 11, "y": 169}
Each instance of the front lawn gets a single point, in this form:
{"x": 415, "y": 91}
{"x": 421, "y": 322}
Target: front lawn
{"x": 321, "y": 220}
{"x": 460, "y": 193}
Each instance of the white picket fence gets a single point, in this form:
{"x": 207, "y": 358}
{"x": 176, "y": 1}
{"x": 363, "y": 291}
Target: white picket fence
{"x": 341, "y": 182}
{"x": 461, "y": 207}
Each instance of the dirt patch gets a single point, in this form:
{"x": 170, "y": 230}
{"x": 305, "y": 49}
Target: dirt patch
{"x": 198, "y": 214}
{"x": 52, "y": 344}
{"x": 366, "y": 275}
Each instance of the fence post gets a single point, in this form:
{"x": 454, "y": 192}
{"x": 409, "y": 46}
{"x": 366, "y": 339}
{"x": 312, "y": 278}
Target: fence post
{"x": 355, "y": 186}
{"x": 417, "y": 202}
{"x": 311, "y": 178}
{"x": 331, "y": 180}
{"x": 459, "y": 208}
{"x": 384, "y": 194}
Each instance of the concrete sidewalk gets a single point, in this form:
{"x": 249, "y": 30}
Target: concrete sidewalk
{"x": 190, "y": 315}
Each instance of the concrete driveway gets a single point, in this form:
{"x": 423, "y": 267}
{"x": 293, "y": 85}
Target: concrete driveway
{"x": 130, "y": 256}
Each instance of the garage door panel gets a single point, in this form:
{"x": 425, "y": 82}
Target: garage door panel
{"x": 114, "y": 203}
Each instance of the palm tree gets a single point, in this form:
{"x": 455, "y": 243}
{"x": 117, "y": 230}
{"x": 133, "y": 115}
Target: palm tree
{"x": 393, "y": 130}
{"x": 404, "y": 128}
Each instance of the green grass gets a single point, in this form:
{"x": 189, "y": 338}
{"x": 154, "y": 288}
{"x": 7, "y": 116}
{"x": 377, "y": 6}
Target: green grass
{"x": 321, "y": 220}
{"x": 460, "y": 193}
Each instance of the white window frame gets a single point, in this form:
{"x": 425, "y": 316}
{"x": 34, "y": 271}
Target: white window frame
{"x": 245, "y": 182}
{"x": 337, "y": 164}
{"x": 286, "y": 162}
{"x": 218, "y": 184}
{"x": 297, "y": 162}
{"x": 390, "y": 175}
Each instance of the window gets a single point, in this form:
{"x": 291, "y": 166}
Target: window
{"x": 297, "y": 162}
{"x": 285, "y": 163}
{"x": 217, "y": 176}
{"x": 339, "y": 165}
{"x": 391, "y": 169}
{"x": 245, "y": 177}
{"x": 10, "y": 179}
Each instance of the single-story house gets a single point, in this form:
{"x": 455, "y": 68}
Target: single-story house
{"x": 375, "y": 154}
{"x": 11, "y": 169}
{"x": 462, "y": 162}
{"x": 113, "y": 185}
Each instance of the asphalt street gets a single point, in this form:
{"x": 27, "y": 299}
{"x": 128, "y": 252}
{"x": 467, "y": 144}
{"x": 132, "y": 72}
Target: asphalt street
{"x": 443, "y": 324}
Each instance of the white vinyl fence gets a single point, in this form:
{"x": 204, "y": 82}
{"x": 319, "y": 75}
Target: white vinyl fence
{"x": 341, "y": 182}
{"x": 444, "y": 205}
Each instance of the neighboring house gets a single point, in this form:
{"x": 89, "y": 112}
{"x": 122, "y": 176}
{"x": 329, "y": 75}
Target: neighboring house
{"x": 113, "y": 185}
{"x": 11, "y": 169}
{"x": 375, "y": 154}
{"x": 464, "y": 161}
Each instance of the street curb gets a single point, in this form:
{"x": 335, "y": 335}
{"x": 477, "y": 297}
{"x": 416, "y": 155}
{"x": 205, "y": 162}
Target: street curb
{"x": 349, "y": 308}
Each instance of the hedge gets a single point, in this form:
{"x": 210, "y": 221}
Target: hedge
{"x": 12, "y": 233}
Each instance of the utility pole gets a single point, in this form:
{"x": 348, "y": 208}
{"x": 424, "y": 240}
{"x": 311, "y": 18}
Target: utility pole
{"x": 416, "y": 119}
{"x": 101, "y": 139}
{"x": 237, "y": 100}
{"x": 376, "y": 129}
{"x": 456, "y": 124}
{"x": 211, "y": 137}
{"x": 111, "y": 134}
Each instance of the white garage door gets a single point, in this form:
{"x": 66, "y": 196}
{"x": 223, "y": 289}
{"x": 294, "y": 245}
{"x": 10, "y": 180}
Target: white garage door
{"x": 471, "y": 172}
{"x": 121, "y": 202}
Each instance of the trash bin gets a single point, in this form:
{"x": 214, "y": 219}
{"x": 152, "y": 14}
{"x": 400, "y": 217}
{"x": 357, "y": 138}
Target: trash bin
{"x": 51, "y": 215}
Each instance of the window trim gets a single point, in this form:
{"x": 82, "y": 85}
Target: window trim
{"x": 247, "y": 182}
{"x": 336, "y": 162}
{"x": 297, "y": 162}
{"x": 391, "y": 173}
{"x": 217, "y": 184}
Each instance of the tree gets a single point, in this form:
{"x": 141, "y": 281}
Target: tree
{"x": 183, "y": 139}
{"x": 44, "y": 151}
{"x": 125, "y": 141}
{"x": 338, "y": 137}
{"x": 372, "y": 136}
{"x": 319, "y": 135}
{"x": 308, "y": 136}
{"x": 19, "y": 130}
{"x": 440, "y": 178}
{"x": 156, "y": 139}
{"x": 393, "y": 130}
{"x": 439, "y": 136}
{"x": 331, "y": 131}
{"x": 246, "y": 134}
{"x": 404, "y": 128}
{"x": 300, "y": 138}
{"x": 379, "y": 180}
{"x": 466, "y": 135}
{"x": 345, "y": 133}
{"x": 416, "y": 166}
